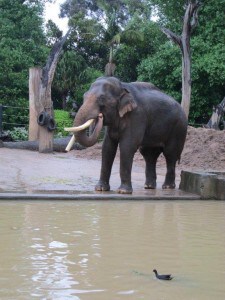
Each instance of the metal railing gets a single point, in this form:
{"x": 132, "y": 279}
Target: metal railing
{"x": 11, "y": 116}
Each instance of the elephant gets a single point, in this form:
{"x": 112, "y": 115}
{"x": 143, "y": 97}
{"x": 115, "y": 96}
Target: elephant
{"x": 136, "y": 115}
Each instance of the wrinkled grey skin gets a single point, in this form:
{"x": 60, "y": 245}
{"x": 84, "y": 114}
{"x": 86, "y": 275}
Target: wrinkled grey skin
{"x": 137, "y": 116}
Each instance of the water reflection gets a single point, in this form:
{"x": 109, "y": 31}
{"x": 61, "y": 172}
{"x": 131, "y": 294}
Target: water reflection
{"x": 107, "y": 250}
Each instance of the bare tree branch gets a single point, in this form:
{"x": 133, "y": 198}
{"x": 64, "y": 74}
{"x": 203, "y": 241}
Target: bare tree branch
{"x": 51, "y": 63}
{"x": 172, "y": 36}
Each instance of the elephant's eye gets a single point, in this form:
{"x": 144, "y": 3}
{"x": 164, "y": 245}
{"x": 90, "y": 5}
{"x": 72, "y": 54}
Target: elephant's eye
{"x": 101, "y": 107}
{"x": 101, "y": 101}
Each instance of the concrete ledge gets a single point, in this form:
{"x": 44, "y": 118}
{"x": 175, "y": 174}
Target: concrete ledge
{"x": 57, "y": 195}
{"x": 210, "y": 185}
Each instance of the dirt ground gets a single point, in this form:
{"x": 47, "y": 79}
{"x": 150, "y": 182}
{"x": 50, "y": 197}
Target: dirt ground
{"x": 204, "y": 150}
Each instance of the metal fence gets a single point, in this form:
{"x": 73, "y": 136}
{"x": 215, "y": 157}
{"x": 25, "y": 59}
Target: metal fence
{"x": 13, "y": 116}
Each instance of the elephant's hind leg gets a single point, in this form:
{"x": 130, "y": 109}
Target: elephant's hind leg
{"x": 170, "y": 174}
{"x": 150, "y": 155}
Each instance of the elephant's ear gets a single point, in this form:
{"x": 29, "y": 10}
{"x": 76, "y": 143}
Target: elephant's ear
{"x": 126, "y": 103}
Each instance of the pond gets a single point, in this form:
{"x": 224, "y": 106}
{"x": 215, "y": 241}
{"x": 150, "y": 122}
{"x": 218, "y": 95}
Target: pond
{"x": 108, "y": 249}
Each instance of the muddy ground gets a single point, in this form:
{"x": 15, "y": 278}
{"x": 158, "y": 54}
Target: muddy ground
{"x": 204, "y": 150}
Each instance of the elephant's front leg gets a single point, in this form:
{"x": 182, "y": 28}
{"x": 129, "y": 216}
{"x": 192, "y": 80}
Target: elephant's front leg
{"x": 126, "y": 160}
{"x": 109, "y": 148}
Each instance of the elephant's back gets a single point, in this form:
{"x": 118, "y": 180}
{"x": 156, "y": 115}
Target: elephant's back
{"x": 158, "y": 106}
{"x": 148, "y": 94}
{"x": 144, "y": 85}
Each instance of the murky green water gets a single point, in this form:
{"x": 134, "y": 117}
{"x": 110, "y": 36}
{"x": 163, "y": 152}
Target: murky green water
{"x": 107, "y": 250}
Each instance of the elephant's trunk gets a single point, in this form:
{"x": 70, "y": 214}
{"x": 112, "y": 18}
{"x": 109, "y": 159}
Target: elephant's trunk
{"x": 88, "y": 141}
{"x": 81, "y": 136}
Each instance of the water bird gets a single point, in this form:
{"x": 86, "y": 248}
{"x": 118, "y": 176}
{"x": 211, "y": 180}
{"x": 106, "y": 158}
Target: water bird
{"x": 162, "y": 277}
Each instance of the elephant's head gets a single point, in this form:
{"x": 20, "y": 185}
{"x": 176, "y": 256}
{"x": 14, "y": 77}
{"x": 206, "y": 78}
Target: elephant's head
{"x": 106, "y": 101}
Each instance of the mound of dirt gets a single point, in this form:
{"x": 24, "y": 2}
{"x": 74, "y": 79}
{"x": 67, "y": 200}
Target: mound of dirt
{"x": 204, "y": 150}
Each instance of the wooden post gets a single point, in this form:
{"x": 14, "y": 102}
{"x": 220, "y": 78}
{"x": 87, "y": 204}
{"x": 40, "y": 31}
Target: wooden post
{"x": 40, "y": 81}
{"x": 34, "y": 104}
{"x": 39, "y": 101}
{"x": 46, "y": 136}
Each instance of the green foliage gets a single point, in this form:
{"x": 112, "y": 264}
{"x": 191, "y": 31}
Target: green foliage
{"x": 90, "y": 76}
{"x": 72, "y": 78}
{"x": 22, "y": 45}
{"x": 18, "y": 134}
{"x": 163, "y": 67}
{"x": 108, "y": 24}
{"x": 129, "y": 56}
{"x": 63, "y": 120}
{"x": 53, "y": 33}
{"x": 69, "y": 75}
{"x": 141, "y": 51}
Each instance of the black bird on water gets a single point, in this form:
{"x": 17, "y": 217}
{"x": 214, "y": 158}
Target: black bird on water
{"x": 162, "y": 277}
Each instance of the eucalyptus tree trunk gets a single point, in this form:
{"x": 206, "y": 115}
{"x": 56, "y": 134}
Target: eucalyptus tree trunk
{"x": 183, "y": 41}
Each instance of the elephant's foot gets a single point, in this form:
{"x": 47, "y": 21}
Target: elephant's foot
{"x": 168, "y": 185}
{"x": 102, "y": 186}
{"x": 150, "y": 185}
{"x": 125, "y": 189}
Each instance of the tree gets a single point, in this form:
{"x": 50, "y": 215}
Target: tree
{"x": 163, "y": 67}
{"x": 111, "y": 18}
{"x": 69, "y": 75}
{"x": 114, "y": 36}
{"x": 83, "y": 56}
{"x": 130, "y": 54}
{"x": 154, "y": 59}
{"x": 183, "y": 41}
{"x": 53, "y": 33}
{"x": 22, "y": 45}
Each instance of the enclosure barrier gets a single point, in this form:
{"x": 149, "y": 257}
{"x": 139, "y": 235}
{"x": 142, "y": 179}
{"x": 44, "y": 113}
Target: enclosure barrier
{"x": 5, "y": 123}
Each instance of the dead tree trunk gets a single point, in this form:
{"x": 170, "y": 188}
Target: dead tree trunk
{"x": 183, "y": 41}
{"x": 110, "y": 66}
{"x": 110, "y": 69}
{"x": 43, "y": 97}
{"x": 217, "y": 116}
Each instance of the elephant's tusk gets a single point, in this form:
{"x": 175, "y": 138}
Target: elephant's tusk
{"x": 70, "y": 144}
{"x": 78, "y": 128}
{"x": 81, "y": 127}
